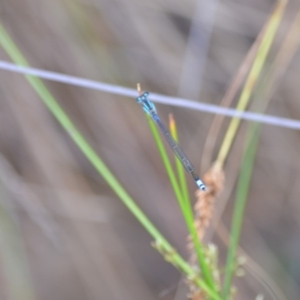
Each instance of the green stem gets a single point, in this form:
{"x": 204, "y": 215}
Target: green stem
{"x": 185, "y": 206}
{"x": 165, "y": 159}
{"x": 252, "y": 79}
{"x": 240, "y": 204}
{"x": 179, "y": 166}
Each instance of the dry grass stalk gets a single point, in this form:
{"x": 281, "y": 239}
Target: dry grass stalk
{"x": 214, "y": 180}
{"x": 228, "y": 98}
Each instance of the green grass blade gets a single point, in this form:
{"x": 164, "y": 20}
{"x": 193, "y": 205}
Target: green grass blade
{"x": 188, "y": 206}
{"x": 251, "y": 145}
{"x": 240, "y": 203}
{"x": 166, "y": 161}
{"x": 252, "y": 78}
{"x": 180, "y": 169}
{"x": 99, "y": 165}
{"x": 260, "y": 103}
{"x": 185, "y": 206}
{"x": 187, "y": 200}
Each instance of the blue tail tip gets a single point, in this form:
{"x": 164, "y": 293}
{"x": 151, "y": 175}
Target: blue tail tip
{"x": 201, "y": 185}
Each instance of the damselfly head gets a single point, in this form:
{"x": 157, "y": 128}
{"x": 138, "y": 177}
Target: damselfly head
{"x": 143, "y": 97}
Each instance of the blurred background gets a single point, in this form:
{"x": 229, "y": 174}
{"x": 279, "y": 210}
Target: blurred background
{"x": 64, "y": 234}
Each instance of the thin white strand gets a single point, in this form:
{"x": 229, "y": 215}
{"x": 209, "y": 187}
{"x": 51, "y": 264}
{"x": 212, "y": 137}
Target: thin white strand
{"x": 174, "y": 101}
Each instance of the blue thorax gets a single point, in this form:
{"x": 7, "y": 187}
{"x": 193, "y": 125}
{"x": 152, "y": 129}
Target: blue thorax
{"x": 147, "y": 104}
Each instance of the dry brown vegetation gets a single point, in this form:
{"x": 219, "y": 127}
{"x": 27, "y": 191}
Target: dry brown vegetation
{"x": 64, "y": 231}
